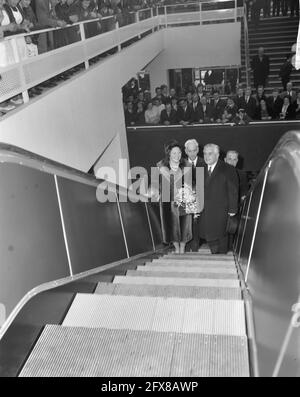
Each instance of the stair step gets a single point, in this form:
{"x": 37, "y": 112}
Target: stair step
{"x": 200, "y": 316}
{"x": 187, "y": 269}
{"x": 188, "y": 282}
{"x": 84, "y": 352}
{"x": 177, "y": 274}
{"x": 205, "y": 264}
{"x": 225, "y": 258}
{"x": 177, "y": 291}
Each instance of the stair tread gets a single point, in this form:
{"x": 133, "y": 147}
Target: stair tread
{"x": 63, "y": 351}
{"x": 209, "y": 316}
{"x": 182, "y": 274}
{"x": 178, "y": 291}
{"x": 188, "y": 282}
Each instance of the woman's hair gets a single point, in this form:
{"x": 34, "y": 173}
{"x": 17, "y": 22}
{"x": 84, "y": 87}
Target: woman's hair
{"x": 168, "y": 148}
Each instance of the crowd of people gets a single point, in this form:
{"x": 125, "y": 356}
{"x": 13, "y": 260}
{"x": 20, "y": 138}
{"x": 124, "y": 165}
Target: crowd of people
{"x": 271, "y": 8}
{"x": 224, "y": 188}
{"x": 201, "y": 106}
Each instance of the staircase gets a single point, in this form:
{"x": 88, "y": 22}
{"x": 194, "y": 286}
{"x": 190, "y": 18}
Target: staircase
{"x": 276, "y": 35}
{"x": 179, "y": 315}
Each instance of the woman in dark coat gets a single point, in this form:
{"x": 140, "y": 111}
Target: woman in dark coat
{"x": 176, "y": 223}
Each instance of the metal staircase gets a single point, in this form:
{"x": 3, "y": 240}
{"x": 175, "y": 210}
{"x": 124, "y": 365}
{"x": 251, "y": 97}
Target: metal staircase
{"x": 276, "y": 35}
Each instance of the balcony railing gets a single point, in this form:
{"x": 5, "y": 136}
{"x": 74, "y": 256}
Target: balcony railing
{"x": 21, "y": 72}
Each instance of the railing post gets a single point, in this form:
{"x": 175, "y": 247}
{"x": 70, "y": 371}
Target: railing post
{"x": 166, "y": 21}
{"x": 152, "y": 18}
{"x": 235, "y": 10}
{"x": 17, "y": 59}
{"x": 82, "y": 37}
{"x": 137, "y": 19}
{"x": 117, "y": 27}
{"x": 200, "y": 13}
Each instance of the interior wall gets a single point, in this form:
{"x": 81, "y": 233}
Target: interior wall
{"x": 196, "y": 47}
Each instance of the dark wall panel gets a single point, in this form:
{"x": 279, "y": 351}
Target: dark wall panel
{"x": 136, "y": 227}
{"x": 254, "y": 142}
{"x": 93, "y": 229}
{"x": 32, "y": 249}
{"x": 153, "y": 209}
{"x": 274, "y": 275}
{"x": 246, "y": 244}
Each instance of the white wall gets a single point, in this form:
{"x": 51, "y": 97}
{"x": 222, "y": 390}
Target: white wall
{"x": 196, "y": 47}
{"x": 73, "y": 123}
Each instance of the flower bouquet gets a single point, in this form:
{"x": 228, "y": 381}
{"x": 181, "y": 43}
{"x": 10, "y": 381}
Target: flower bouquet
{"x": 186, "y": 198}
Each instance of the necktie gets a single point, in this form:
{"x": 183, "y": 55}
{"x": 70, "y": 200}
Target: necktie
{"x": 193, "y": 172}
{"x": 209, "y": 171}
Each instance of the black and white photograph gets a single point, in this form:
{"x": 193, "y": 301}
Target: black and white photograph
{"x": 150, "y": 191}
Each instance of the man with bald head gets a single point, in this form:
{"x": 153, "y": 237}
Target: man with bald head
{"x": 232, "y": 158}
{"x": 220, "y": 199}
{"x": 193, "y": 160}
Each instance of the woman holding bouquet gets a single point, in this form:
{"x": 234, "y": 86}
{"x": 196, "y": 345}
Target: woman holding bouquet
{"x": 176, "y": 222}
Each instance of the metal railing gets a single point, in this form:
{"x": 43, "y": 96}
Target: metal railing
{"x": 246, "y": 46}
{"x": 23, "y": 72}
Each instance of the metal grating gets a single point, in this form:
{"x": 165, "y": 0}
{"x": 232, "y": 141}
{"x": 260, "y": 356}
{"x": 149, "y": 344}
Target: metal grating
{"x": 189, "y": 269}
{"x": 191, "y": 263}
{"x": 221, "y": 317}
{"x": 180, "y": 274}
{"x": 169, "y": 291}
{"x": 86, "y": 352}
{"x": 210, "y": 355}
{"x": 178, "y": 281}
{"x": 199, "y": 257}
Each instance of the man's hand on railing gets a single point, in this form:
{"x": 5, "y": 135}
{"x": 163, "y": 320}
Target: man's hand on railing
{"x": 61, "y": 23}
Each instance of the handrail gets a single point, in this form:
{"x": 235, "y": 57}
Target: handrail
{"x": 246, "y": 45}
{"x": 142, "y": 127}
{"x": 17, "y": 155}
{"x": 46, "y": 30}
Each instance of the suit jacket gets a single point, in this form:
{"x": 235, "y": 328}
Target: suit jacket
{"x": 240, "y": 102}
{"x": 218, "y": 109}
{"x": 184, "y": 115}
{"x": 172, "y": 117}
{"x": 293, "y": 96}
{"x": 44, "y": 16}
{"x": 250, "y": 107}
{"x": 260, "y": 68}
{"x": 221, "y": 193}
{"x": 206, "y": 115}
{"x": 195, "y": 111}
{"x": 274, "y": 106}
{"x": 200, "y": 163}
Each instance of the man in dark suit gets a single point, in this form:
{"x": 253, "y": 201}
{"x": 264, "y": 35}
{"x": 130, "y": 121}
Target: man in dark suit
{"x": 260, "y": 66}
{"x": 239, "y": 99}
{"x": 232, "y": 158}
{"x": 218, "y": 106}
{"x": 250, "y": 103}
{"x": 184, "y": 112}
{"x": 194, "y": 161}
{"x": 274, "y": 104}
{"x": 195, "y": 107}
{"x": 168, "y": 115}
{"x": 220, "y": 199}
{"x": 205, "y": 112}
